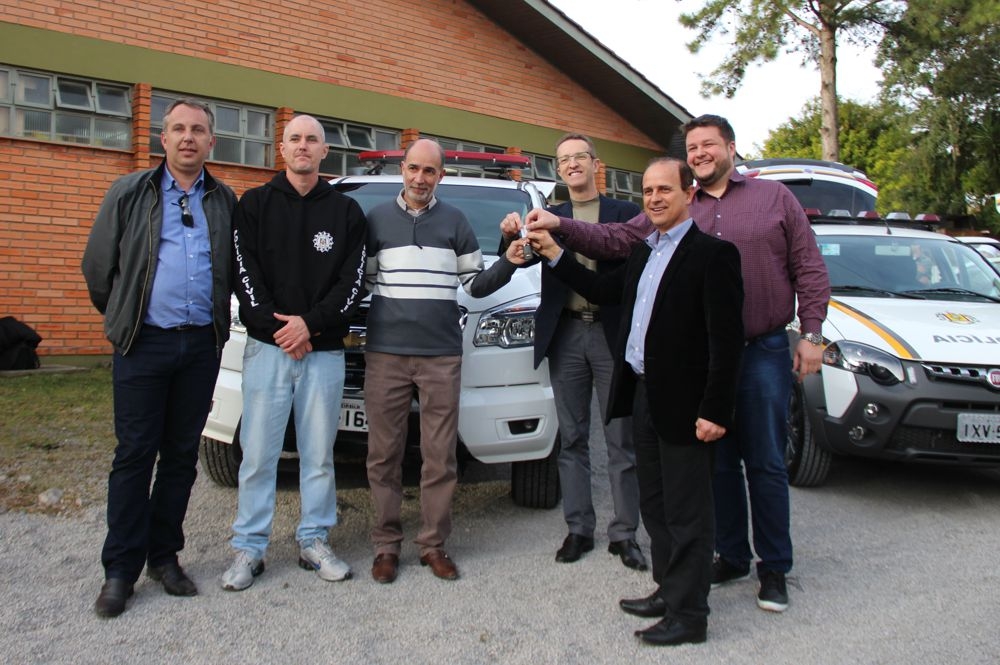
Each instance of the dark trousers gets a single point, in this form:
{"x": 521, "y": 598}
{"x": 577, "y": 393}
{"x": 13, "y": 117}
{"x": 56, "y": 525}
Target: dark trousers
{"x": 675, "y": 496}
{"x": 162, "y": 394}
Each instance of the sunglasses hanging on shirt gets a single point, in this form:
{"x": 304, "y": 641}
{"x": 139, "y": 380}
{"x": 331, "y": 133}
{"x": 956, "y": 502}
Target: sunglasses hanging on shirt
{"x": 187, "y": 218}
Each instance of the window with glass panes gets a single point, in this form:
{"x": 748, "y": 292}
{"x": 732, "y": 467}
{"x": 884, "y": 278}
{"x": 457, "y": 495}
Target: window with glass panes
{"x": 542, "y": 168}
{"x": 625, "y": 185}
{"x": 243, "y": 134}
{"x": 346, "y": 140}
{"x": 52, "y": 107}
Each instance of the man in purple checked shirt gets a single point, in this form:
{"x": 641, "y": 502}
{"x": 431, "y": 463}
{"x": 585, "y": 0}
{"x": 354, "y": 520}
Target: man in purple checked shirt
{"x": 780, "y": 260}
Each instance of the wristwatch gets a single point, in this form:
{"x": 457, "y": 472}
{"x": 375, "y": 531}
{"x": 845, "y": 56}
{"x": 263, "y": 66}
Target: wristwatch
{"x": 815, "y": 339}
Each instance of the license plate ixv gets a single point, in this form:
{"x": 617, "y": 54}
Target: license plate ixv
{"x": 978, "y": 428}
{"x": 352, "y": 415}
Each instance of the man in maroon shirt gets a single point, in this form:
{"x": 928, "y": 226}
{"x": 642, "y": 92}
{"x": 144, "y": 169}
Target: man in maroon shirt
{"x": 780, "y": 260}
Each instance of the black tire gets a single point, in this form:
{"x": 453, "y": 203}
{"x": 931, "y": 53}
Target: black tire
{"x": 808, "y": 464}
{"x": 535, "y": 483}
{"x": 221, "y": 460}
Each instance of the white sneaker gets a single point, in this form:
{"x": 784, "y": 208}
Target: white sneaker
{"x": 240, "y": 575}
{"x": 319, "y": 557}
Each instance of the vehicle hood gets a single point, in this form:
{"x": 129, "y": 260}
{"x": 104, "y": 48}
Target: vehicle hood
{"x": 930, "y": 330}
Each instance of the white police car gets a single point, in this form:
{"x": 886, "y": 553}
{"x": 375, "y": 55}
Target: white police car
{"x": 506, "y": 412}
{"x": 911, "y": 366}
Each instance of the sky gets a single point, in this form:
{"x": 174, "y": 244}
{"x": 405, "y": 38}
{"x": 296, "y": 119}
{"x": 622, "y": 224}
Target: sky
{"x": 647, "y": 35}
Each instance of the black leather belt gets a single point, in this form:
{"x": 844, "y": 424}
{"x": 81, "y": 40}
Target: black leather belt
{"x": 183, "y": 328}
{"x": 589, "y": 317}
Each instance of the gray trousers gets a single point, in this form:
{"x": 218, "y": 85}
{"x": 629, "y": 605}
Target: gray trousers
{"x": 580, "y": 363}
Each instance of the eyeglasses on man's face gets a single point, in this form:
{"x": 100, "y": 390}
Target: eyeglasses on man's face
{"x": 187, "y": 218}
{"x": 576, "y": 157}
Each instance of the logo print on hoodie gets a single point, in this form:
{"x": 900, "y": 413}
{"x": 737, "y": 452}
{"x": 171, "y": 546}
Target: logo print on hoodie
{"x": 323, "y": 241}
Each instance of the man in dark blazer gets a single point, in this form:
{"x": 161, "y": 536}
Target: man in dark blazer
{"x": 576, "y": 336}
{"x": 677, "y": 357}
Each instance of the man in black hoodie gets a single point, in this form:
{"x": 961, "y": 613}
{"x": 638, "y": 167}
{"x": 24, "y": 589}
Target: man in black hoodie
{"x": 299, "y": 261}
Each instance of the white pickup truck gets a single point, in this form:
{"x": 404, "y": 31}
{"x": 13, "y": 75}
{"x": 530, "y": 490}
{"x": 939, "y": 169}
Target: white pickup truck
{"x": 506, "y": 412}
{"x": 911, "y": 368}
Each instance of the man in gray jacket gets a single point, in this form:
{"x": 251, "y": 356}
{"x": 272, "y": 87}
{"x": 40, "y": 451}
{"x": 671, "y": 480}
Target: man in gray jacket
{"x": 157, "y": 267}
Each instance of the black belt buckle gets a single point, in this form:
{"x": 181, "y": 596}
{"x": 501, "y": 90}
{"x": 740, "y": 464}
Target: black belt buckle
{"x": 585, "y": 316}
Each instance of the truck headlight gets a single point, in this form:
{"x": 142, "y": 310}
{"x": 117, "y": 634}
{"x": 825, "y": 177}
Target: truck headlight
{"x": 884, "y": 368}
{"x": 510, "y": 325}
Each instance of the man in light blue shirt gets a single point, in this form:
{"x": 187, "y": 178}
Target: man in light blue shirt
{"x": 676, "y": 370}
{"x": 157, "y": 267}
{"x": 182, "y": 285}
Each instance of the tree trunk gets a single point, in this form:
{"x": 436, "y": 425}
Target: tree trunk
{"x": 829, "y": 125}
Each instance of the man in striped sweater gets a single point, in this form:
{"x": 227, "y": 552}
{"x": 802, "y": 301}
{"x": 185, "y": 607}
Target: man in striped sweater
{"x": 420, "y": 249}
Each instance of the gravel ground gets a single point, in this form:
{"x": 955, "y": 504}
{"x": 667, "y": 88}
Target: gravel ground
{"x": 893, "y": 565}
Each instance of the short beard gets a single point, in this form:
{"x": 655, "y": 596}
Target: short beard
{"x": 718, "y": 173}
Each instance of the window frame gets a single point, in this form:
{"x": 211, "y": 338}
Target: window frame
{"x": 81, "y": 123}
{"x": 621, "y": 184}
{"x": 343, "y": 148}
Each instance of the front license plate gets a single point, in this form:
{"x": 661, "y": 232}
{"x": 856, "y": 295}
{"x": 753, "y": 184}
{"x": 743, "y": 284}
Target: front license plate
{"x": 352, "y": 415}
{"x": 978, "y": 428}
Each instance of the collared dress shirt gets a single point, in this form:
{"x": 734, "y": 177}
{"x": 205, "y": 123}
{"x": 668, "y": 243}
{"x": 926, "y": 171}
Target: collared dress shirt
{"x": 663, "y": 246}
{"x": 182, "y": 286}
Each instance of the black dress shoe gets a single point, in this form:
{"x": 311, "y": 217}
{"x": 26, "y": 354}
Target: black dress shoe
{"x": 573, "y": 548}
{"x": 111, "y": 600}
{"x": 629, "y": 552}
{"x": 650, "y": 606}
{"x": 175, "y": 581}
{"x": 671, "y": 631}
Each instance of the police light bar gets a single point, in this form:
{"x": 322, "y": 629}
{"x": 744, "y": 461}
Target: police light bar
{"x": 457, "y": 157}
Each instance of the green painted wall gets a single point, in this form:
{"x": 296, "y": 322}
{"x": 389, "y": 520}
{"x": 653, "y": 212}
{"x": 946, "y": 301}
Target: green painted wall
{"x": 83, "y": 56}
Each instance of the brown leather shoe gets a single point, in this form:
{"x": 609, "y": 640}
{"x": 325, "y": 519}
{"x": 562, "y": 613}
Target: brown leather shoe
{"x": 385, "y": 568}
{"x": 441, "y": 564}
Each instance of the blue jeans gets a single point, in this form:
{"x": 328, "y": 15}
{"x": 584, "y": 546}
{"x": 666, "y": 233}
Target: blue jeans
{"x": 162, "y": 391}
{"x": 757, "y": 441}
{"x": 273, "y": 385}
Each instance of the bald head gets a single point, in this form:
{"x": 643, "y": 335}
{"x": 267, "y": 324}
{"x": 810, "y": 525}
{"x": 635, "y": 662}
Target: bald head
{"x": 303, "y": 146}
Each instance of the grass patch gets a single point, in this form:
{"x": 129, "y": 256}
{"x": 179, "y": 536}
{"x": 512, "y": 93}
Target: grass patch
{"x": 56, "y": 431}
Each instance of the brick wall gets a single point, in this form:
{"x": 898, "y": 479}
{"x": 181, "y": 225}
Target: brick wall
{"x": 49, "y": 195}
{"x": 437, "y": 51}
